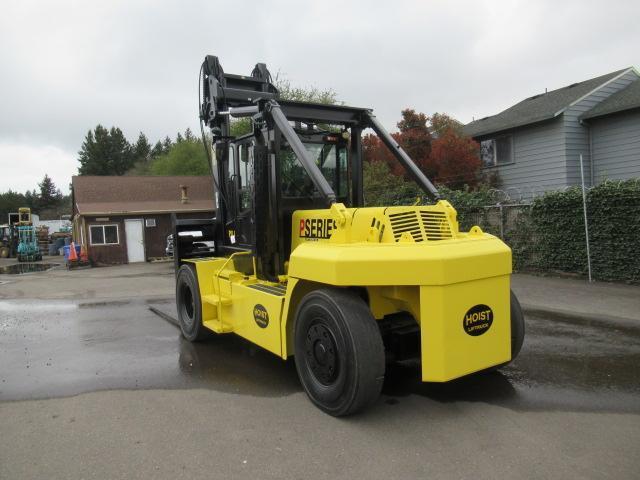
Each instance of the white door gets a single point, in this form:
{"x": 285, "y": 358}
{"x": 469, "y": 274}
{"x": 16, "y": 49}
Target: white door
{"x": 135, "y": 240}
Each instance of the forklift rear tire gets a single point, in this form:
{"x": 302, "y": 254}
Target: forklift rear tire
{"x": 517, "y": 326}
{"x": 339, "y": 353}
{"x": 517, "y": 332}
{"x": 189, "y": 304}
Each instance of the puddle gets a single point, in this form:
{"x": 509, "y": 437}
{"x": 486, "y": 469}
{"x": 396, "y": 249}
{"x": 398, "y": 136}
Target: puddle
{"x": 104, "y": 303}
{"x": 22, "y": 268}
{"x": 59, "y": 348}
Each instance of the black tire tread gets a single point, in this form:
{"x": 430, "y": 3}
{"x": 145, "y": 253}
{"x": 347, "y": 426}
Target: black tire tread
{"x": 517, "y": 326}
{"x": 364, "y": 338}
{"x": 187, "y": 273}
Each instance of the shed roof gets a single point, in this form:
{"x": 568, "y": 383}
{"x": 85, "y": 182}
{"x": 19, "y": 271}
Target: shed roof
{"x": 538, "y": 108}
{"x": 626, "y": 99}
{"x": 102, "y": 195}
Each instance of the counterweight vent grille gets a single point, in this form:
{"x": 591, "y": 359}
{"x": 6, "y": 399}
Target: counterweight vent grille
{"x": 436, "y": 225}
{"x": 406, "y": 222}
{"x": 421, "y": 225}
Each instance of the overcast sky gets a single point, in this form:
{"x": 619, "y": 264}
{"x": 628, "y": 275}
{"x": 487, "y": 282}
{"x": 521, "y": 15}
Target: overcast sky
{"x": 67, "y": 66}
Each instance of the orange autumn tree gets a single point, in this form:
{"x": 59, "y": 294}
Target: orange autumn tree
{"x": 413, "y": 135}
{"x": 436, "y": 144}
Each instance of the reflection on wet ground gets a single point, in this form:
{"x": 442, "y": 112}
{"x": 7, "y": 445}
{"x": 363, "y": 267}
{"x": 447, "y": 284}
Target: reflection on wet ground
{"x": 21, "y": 268}
{"x": 50, "y": 349}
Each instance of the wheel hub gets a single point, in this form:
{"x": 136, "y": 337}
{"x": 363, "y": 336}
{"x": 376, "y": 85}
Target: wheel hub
{"x": 322, "y": 353}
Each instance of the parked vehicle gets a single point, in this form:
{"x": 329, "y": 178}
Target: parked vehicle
{"x": 169, "y": 248}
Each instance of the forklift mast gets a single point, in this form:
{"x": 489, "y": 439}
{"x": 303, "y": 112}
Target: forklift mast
{"x": 264, "y": 227}
{"x": 228, "y": 95}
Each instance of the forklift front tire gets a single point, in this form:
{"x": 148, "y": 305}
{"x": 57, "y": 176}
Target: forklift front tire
{"x": 339, "y": 353}
{"x": 189, "y": 304}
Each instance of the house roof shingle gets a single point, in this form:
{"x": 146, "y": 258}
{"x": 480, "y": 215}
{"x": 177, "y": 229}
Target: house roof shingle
{"x": 140, "y": 194}
{"x": 538, "y": 107}
{"x": 626, "y": 99}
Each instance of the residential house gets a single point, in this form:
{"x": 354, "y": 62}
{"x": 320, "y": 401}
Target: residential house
{"x": 535, "y": 145}
{"x": 125, "y": 219}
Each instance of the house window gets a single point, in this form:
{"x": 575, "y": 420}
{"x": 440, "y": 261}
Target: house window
{"x": 104, "y": 234}
{"x": 150, "y": 222}
{"x": 496, "y": 151}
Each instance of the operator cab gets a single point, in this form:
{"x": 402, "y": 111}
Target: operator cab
{"x": 293, "y": 188}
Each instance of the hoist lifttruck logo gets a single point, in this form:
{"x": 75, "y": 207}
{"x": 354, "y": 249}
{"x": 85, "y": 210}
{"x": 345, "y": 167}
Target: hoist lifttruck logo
{"x": 477, "y": 320}
{"x": 317, "y": 228}
{"x": 261, "y": 316}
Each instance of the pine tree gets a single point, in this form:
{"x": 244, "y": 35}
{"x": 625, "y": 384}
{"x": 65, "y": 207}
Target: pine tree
{"x": 31, "y": 199}
{"x": 122, "y": 157}
{"x": 157, "y": 149}
{"x": 142, "y": 149}
{"x": 49, "y": 196}
{"x": 166, "y": 145}
{"x": 105, "y": 152}
{"x": 188, "y": 135}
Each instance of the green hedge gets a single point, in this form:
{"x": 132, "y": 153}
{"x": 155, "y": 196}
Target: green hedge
{"x": 549, "y": 235}
{"x": 613, "y": 216}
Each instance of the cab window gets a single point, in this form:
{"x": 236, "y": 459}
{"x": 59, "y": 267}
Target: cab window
{"x": 331, "y": 158}
{"x": 245, "y": 172}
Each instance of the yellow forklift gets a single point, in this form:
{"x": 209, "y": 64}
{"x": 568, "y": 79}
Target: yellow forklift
{"x": 295, "y": 263}
{"x": 28, "y": 249}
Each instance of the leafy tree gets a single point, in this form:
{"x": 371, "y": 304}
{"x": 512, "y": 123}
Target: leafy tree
{"x": 47, "y": 201}
{"x": 381, "y": 187}
{"x": 441, "y": 123}
{"x": 179, "y": 138}
{"x": 240, "y": 126}
{"x": 415, "y": 138}
{"x": 304, "y": 94}
{"x": 105, "y": 152}
{"x": 456, "y": 160}
{"x": 10, "y": 201}
{"x": 287, "y": 91}
{"x": 183, "y": 158}
{"x": 451, "y": 159}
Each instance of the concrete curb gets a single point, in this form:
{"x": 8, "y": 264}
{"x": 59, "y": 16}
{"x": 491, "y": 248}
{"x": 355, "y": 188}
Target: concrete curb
{"x": 560, "y": 314}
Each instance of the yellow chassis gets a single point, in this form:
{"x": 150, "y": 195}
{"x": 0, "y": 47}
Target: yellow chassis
{"x": 408, "y": 259}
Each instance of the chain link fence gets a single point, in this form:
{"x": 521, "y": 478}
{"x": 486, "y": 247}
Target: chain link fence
{"x": 546, "y": 230}
{"x": 549, "y": 235}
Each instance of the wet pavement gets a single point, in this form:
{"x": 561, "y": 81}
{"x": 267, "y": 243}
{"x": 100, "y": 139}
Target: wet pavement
{"x": 63, "y": 348}
{"x": 23, "y": 268}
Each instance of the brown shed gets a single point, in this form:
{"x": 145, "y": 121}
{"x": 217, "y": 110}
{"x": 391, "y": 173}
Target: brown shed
{"x": 127, "y": 219}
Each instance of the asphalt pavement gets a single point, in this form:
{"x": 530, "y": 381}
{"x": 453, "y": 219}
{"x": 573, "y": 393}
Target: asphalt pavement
{"x": 99, "y": 386}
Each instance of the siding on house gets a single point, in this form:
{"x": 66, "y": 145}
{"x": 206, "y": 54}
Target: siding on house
{"x": 550, "y": 131}
{"x": 106, "y": 254}
{"x": 539, "y": 154}
{"x": 616, "y": 146}
{"x": 577, "y": 134}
